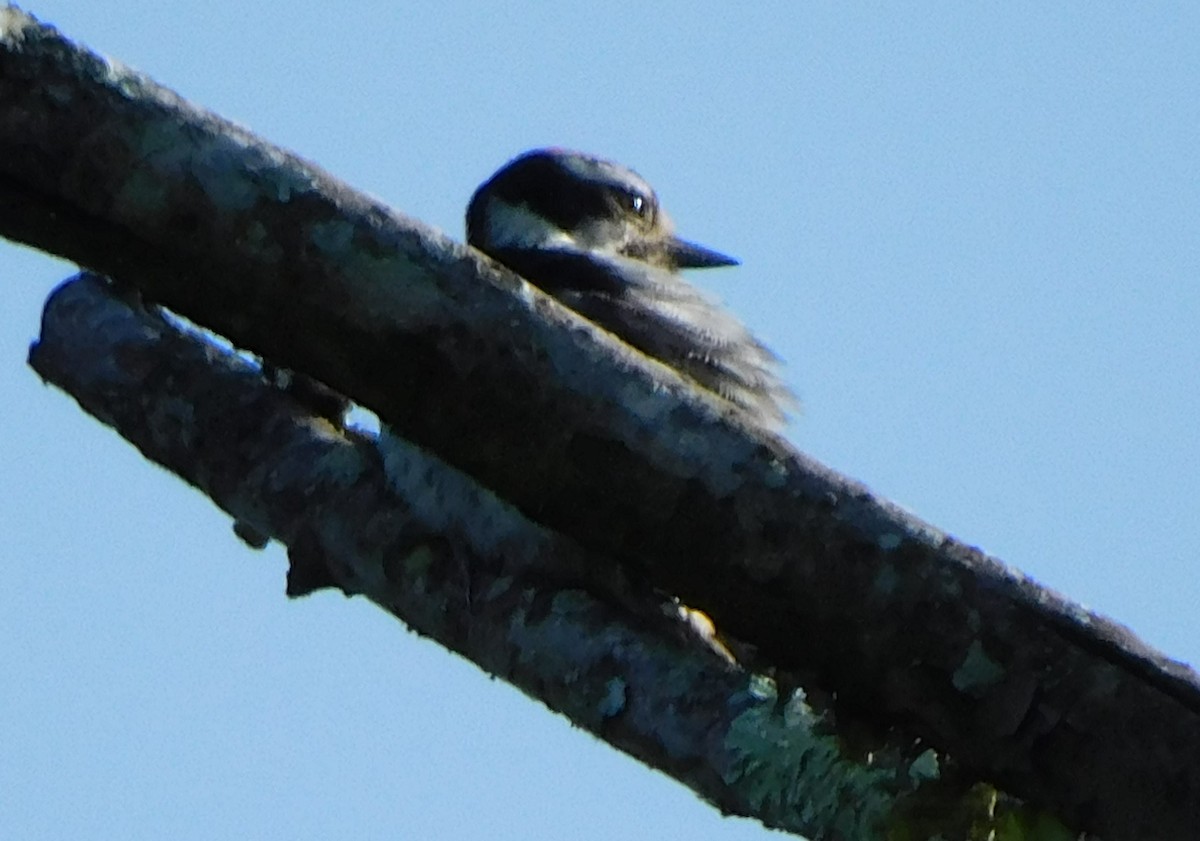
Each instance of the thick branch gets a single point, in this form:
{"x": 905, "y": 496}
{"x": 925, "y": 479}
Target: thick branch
{"x": 388, "y": 521}
{"x": 902, "y": 622}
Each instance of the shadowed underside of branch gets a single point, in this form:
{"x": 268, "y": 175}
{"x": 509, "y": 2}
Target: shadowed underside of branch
{"x": 830, "y": 585}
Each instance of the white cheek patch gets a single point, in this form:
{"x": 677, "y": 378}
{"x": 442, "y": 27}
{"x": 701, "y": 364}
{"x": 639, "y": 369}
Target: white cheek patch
{"x": 515, "y": 226}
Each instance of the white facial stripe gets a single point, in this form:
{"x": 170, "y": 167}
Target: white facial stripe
{"x": 514, "y": 226}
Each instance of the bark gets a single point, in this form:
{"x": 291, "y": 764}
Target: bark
{"x": 381, "y": 518}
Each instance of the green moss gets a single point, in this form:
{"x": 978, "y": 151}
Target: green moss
{"x": 977, "y": 672}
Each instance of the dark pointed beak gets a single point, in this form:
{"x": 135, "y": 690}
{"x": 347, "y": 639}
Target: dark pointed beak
{"x": 689, "y": 255}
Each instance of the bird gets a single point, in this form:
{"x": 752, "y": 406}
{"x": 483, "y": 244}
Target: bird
{"x": 593, "y": 234}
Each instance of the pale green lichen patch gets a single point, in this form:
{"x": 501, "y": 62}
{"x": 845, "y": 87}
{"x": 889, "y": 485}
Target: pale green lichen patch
{"x": 762, "y": 688}
{"x": 226, "y": 186}
{"x": 333, "y": 237}
{"x": 925, "y": 767}
{"x": 279, "y": 177}
{"x": 977, "y": 672}
{"x": 776, "y": 475}
{"x": 613, "y": 702}
{"x": 795, "y": 777}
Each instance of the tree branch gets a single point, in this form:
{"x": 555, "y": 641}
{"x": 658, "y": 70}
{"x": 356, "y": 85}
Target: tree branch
{"x": 386, "y": 520}
{"x": 903, "y": 623}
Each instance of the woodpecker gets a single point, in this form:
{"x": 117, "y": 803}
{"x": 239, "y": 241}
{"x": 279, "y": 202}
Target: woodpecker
{"x": 592, "y": 234}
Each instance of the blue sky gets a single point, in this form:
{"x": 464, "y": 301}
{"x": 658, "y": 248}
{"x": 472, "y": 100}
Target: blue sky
{"x": 971, "y": 231}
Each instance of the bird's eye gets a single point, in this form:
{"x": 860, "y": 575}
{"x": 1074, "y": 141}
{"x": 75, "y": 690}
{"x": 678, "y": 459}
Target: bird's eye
{"x": 637, "y": 203}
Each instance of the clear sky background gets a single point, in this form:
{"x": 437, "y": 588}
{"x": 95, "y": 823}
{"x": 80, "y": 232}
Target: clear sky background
{"x": 970, "y": 229}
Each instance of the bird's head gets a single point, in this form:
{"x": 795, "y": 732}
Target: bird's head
{"x": 562, "y": 200}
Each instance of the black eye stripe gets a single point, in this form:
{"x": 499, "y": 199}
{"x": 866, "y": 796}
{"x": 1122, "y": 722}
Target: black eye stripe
{"x": 562, "y": 196}
{"x": 542, "y": 185}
